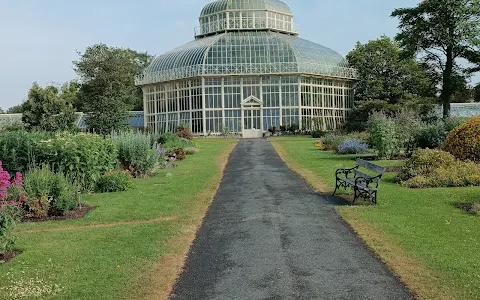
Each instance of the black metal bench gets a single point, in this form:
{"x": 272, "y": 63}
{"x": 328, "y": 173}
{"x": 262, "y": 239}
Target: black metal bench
{"x": 364, "y": 185}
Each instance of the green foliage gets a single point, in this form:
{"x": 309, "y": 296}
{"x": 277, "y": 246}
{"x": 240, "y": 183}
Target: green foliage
{"x": 316, "y": 134}
{"x": 116, "y": 181}
{"x": 437, "y": 168}
{"x": 108, "y": 89}
{"x": 384, "y": 74}
{"x": 135, "y": 152}
{"x": 423, "y": 162}
{"x": 46, "y": 109}
{"x": 331, "y": 141}
{"x": 464, "y": 141}
{"x": 49, "y": 193}
{"x": 384, "y": 135}
{"x": 443, "y": 31}
{"x": 171, "y": 141}
{"x": 17, "y": 109}
{"x": 358, "y": 118}
{"x": 20, "y": 149}
{"x": 81, "y": 157}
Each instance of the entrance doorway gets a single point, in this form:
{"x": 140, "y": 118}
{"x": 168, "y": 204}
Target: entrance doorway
{"x": 252, "y": 116}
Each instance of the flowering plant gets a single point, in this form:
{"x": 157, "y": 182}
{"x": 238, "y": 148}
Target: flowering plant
{"x": 354, "y": 146}
{"x": 12, "y": 197}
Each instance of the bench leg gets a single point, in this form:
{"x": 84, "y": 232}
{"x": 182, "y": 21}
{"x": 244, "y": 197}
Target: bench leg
{"x": 356, "y": 195}
{"x": 336, "y": 188}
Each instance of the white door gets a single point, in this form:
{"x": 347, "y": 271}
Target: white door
{"x": 252, "y": 123}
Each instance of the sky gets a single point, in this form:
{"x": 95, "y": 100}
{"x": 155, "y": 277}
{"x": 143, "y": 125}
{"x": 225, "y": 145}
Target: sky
{"x": 39, "y": 39}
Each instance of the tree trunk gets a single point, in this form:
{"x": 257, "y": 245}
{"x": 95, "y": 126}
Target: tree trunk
{"x": 447, "y": 90}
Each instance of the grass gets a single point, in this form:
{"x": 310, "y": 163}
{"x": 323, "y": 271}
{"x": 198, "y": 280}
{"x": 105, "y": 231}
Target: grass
{"x": 132, "y": 246}
{"x": 432, "y": 246}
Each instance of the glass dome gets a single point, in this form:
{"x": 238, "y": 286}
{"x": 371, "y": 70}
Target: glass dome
{"x": 233, "y": 15}
{"x": 247, "y": 53}
{"x": 245, "y": 5}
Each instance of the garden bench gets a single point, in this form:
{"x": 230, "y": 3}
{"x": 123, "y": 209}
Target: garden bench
{"x": 364, "y": 185}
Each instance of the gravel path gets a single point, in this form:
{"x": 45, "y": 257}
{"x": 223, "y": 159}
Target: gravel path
{"x": 269, "y": 236}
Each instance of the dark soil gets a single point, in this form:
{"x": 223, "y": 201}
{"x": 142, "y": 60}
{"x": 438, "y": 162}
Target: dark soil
{"x": 470, "y": 208}
{"x": 78, "y": 213}
{"x": 5, "y": 257}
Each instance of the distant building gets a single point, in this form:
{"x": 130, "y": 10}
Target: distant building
{"x": 247, "y": 70}
{"x": 462, "y": 109}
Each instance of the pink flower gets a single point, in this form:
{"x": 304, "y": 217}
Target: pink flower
{"x": 18, "y": 181}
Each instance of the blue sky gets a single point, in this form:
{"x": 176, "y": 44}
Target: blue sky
{"x": 40, "y": 39}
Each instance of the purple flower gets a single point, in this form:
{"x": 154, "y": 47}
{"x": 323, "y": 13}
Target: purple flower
{"x": 354, "y": 146}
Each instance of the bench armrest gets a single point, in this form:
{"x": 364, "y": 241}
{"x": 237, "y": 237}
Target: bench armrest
{"x": 368, "y": 181}
{"x": 345, "y": 171}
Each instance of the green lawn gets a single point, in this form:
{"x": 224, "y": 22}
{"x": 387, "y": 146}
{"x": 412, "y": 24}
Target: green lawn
{"x": 424, "y": 224}
{"x": 134, "y": 242}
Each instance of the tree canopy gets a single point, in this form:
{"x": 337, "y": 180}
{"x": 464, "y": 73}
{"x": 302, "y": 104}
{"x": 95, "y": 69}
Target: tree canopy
{"x": 47, "y": 109}
{"x": 442, "y": 32}
{"x": 107, "y": 87}
{"x": 385, "y": 74}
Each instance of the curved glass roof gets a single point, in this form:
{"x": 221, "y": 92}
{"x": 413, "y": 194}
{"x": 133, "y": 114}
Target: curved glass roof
{"x": 246, "y": 53}
{"x": 245, "y": 5}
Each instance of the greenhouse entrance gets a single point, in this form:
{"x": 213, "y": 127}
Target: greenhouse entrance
{"x": 252, "y": 118}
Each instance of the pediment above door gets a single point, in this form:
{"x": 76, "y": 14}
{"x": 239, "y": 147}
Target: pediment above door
{"x": 252, "y": 101}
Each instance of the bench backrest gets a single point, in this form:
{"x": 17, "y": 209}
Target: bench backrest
{"x": 370, "y": 166}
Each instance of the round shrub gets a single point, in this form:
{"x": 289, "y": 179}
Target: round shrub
{"x": 423, "y": 162}
{"x": 116, "y": 181}
{"x": 464, "y": 141}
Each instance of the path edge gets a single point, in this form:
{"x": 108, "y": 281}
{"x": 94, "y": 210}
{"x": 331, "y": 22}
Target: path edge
{"x": 383, "y": 246}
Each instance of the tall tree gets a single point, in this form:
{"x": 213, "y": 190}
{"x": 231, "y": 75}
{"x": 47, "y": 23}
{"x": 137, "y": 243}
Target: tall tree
{"x": 1, "y": 111}
{"x": 107, "y": 85}
{"x": 442, "y": 31}
{"x": 45, "y": 109}
{"x": 384, "y": 74}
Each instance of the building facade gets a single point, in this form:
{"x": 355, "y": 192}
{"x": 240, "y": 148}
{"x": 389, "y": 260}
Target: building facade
{"x": 247, "y": 71}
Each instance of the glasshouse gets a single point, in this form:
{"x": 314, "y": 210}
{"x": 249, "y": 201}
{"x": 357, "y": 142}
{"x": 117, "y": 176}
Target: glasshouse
{"x": 247, "y": 71}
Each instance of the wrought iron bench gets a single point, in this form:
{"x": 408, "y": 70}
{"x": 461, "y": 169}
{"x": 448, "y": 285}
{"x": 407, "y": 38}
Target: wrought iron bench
{"x": 364, "y": 185}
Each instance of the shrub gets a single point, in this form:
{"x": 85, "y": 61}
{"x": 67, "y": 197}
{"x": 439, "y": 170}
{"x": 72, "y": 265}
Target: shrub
{"x": 82, "y": 158}
{"x": 429, "y": 136}
{"x": 423, "y": 162}
{"x": 332, "y": 141}
{"x": 459, "y": 174}
{"x": 116, "y": 181}
{"x": 167, "y": 137}
{"x": 19, "y": 149}
{"x": 464, "y": 141}
{"x": 352, "y": 147}
{"x": 178, "y": 154}
{"x": 12, "y": 197}
{"x": 316, "y": 134}
{"x": 135, "y": 153}
{"x": 384, "y": 135}
{"x": 49, "y": 193}
{"x": 185, "y": 134}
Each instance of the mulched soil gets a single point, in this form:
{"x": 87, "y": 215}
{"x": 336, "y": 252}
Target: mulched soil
{"x": 466, "y": 207}
{"x": 78, "y": 213}
{"x": 8, "y": 256}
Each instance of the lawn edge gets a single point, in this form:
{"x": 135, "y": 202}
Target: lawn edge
{"x": 165, "y": 272}
{"x": 411, "y": 273}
